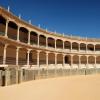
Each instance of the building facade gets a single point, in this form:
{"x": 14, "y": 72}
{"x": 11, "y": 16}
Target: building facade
{"x": 24, "y": 46}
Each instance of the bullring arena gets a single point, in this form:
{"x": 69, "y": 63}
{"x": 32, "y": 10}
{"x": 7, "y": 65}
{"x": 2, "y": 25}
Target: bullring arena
{"x": 28, "y": 52}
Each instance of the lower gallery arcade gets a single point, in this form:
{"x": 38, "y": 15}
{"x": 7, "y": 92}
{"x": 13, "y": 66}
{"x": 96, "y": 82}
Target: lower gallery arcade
{"x": 12, "y": 55}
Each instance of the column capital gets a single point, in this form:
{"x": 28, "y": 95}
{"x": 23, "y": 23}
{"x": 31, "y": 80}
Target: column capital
{"x": 28, "y": 50}
{"x": 38, "y": 51}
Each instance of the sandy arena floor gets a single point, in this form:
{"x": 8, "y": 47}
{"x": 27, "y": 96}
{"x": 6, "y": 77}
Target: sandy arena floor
{"x": 63, "y": 88}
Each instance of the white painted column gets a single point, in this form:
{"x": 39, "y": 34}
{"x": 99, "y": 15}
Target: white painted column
{"x": 38, "y": 52}
{"x": 86, "y": 48}
{"x": 94, "y": 49}
{"x": 47, "y": 58}
{"x": 71, "y": 61}
{"x": 4, "y": 54}
{"x": 95, "y": 61}
{"x": 28, "y": 53}
{"x": 38, "y": 40}
{"x": 6, "y": 29}
{"x": 63, "y": 60}
{"x": 79, "y": 47}
{"x": 17, "y": 55}
{"x": 87, "y": 60}
{"x": 71, "y": 47}
{"x": 63, "y": 45}
{"x": 79, "y": 61}
{"x": 55, "y": 44}
{"x": 55, "y": 59}
{"x": 29, "y": 37}
{"x": 18, "y": 33}
{"x": 46, "y": 42}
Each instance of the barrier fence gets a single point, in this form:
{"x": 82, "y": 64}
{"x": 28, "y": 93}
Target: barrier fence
{"x": 15, "y": 76}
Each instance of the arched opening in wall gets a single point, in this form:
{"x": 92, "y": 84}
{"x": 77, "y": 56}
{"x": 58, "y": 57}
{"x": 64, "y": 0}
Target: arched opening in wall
{"x": 97, "y": 47}
{"x": 91, "y": 60}
{"x": 51, "y": 58}
{"x": 33, "y": 38}
{"x": 2, "y": 25}
{"x": 23, "y": 35}
{"x": 59, "y": 59}
{"x": 75, "y": 59}
{"x": 98, "y": 60}
{"x": 59, "y": 44}
{"x": 83, "y": 60}
{"x": 22, "y": 56}
{"x": 90, "y": 47}
{"x": 83, "y": 46}
{"x": 67, "y": 45}
{"x": 42, "y": 58}
{"x": 1, "y": 52}
{"x": 67, "y": 59}
{"x": 42, "y": 40}
{"x": 12, "y": 30}
{"x": 11, "y": 55}
{"x": 33, "y": 57}
{"x": 75, "y": 46}
{"x": 51, "y": 42}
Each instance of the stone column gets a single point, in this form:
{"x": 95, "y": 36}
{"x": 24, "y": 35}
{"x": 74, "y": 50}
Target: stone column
{"x": 29, "y": 37}
{"x": 4, "y": 54}
{"x": 38, "y": 52}
{"x": 6, "y": 29}
{"x": 28, "y": 60}
{"x": 18, "y": 33}
{"x": 17, "y": 55}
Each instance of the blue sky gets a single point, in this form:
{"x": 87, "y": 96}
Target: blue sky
{"x": 76, "y": 17}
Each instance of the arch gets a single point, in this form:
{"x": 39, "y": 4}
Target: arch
{"x": 11, "y": 55}
{"x": 75, "y": 59}
{"x": 12, "y": 30}
{"x": 59, "y": 59}
{"x": 2, "y": 25}
{"x": 98, "y": 60}
{"x": 75, "y": 46}
{"x": 51, "y": 58}
{"x": 22, "y": 56}
{"x": 67, "y": 59}
{"x": 83, "y": 59}
{"x": 91, "y": 60}
{"x": 42, "y": 40}
{"x": 33, "y": 57}
{"x": 42, "y": 58}
{"x": 59, "y": 43}
{"x": 33, "y": 38}
{"x": 67, "y": 45}
{"x": 82, "y": 46}
{"x": 51, "y": 42}
{"x": 90, "y": 47}
{"x": 97, "y": 47}
{"x": 23, "y": 35}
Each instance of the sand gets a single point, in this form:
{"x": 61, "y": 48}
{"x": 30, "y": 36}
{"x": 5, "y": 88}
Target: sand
{"x": 63, "y": 88}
